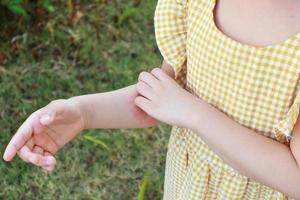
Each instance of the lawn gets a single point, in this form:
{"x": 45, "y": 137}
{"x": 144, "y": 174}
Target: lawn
{"x": 82, "y": 48}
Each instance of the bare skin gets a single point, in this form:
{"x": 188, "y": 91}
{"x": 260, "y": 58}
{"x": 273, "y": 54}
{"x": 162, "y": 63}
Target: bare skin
{"x": 258, "y": 23}
{"x": 162, "y": 99}
{"x": 253, "y": 155}
{"x": 48, "y": 129}
{"x": 255, "y": 23}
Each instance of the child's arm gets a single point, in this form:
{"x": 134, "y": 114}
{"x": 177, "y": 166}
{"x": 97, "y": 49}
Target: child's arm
{"x": 254, "y": 155}
{"x": 48, "y": 129}
{"x": 116, "y": 109}
{"x": 113, "y": 109}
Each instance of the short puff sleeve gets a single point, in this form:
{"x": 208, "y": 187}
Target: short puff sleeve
{"x": 171, "y": 34}
{"x": 284, "y": 128}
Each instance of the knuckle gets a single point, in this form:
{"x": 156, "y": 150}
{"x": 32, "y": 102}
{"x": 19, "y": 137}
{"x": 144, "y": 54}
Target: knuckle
{"x": 142, "y": 74}
{"x": 56, "y": 101}
{"x": 161, "y": 89}
{"x": 138, "y": 85}
{"x": 53, "y": 101}
{"x": 141, "y": 84}
{"x": 15, "y": 146}
{"x": 155, "y": 70}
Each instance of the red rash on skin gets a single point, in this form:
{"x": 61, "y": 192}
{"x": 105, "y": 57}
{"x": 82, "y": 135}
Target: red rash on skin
{"x": 139, "y": 114}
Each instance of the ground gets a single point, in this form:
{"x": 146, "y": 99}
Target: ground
{"x": 80, "y": 49}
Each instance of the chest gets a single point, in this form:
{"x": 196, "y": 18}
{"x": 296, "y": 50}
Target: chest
{"x": 253, "y": 85}
{"x": 258, "y": 23}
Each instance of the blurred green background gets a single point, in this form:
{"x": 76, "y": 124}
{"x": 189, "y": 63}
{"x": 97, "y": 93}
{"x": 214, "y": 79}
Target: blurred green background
{"x": 58, "y": 49}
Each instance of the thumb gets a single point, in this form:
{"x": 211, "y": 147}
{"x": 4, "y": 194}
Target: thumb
{"x": 51, "y": 111}
{"x": 47, "y": 118}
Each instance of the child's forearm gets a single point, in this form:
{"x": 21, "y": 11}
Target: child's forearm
{"x": 115, "y": 109}
{"x": 252, "y": 154}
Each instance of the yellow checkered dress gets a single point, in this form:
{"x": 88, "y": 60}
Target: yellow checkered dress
{"x": 255, "y": 86}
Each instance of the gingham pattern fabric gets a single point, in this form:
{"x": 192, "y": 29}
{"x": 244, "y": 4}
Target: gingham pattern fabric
{"x": 258, "y": 87}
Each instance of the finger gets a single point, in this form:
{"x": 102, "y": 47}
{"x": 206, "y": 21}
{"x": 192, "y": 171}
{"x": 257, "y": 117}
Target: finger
{"x": 149, "y": 79}
{"x": 144, "y": 104}
{"x": 30, "y": 145}
{"x": 145, "y": 90}
{"x": 23, "y": 153}
{"x": 22, "y": 156}
{"x": 46, "y": 142}
{"x": 160, "y": 74}
{"x": 53, "y": 163}
{"x": 46, "y": 119}
{"x": 38, "y": 150}
{"x": 19, "y": 139}
{"x": 35, "y": 158}
{"x": 52, "y": 110}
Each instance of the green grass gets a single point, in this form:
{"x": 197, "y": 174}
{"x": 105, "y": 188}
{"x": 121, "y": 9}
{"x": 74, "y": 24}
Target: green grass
{"x": 47, "y": 58}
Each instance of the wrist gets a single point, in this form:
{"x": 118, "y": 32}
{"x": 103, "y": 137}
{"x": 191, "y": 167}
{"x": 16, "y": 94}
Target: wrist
{"x": 197, "y": 114}
{"x": 80, "y": 108}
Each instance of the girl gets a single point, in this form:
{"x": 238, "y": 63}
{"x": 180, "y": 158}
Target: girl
{"x": 229, "y": 85}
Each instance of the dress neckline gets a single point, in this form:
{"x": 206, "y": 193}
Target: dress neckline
{"x": 242, "y": 44}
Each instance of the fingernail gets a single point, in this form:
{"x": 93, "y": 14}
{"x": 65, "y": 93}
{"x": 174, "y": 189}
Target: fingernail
{"x": 48, "y": 162}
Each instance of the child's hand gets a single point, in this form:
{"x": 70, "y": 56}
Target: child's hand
{"x": 45, "y": 132}
{"x": 162, "y": 98}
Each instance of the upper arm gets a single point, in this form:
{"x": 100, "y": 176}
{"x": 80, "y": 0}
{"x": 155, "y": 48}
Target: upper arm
{"x": 170, "y": 22}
